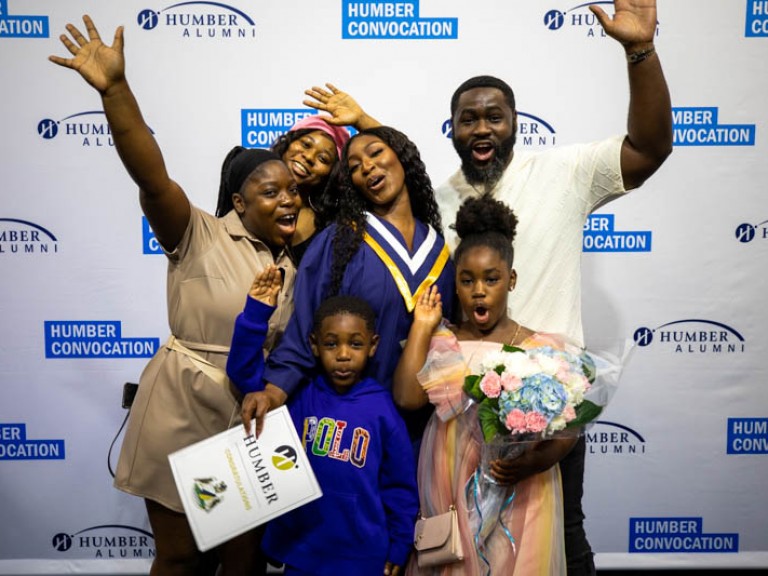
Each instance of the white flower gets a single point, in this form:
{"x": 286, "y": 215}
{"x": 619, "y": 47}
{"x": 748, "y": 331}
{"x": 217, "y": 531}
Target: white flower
{"x": 521, "y": 365}
{"x": 576, "y": 386}
{"x": 492, "y": 360}
{"x": 547, "y": 364}
{"x": 557, "y": 423}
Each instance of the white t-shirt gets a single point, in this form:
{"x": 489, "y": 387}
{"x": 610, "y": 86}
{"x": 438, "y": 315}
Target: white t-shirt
{"x": 552, "y": 193}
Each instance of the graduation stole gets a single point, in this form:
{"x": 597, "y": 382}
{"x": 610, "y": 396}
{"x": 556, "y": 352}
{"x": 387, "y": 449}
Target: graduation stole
{"x": 429, "y": 249}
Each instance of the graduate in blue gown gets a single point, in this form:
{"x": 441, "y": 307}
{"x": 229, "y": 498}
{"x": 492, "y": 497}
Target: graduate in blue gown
{"x": 385, "y": 246}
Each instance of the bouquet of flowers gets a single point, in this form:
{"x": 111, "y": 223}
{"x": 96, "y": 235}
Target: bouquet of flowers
{"x": 532, "y": 394}
{"x": 524, "y": 396}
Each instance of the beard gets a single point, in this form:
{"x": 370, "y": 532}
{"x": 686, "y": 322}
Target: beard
{"x": 489, "y": 174}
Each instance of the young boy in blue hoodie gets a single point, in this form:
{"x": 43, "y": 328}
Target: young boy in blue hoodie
{"x": 356, "y": 441}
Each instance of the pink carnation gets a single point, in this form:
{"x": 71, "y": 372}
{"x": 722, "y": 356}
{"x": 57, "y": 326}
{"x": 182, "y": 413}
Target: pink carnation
{"x": 515, "y": 421}
{"x": 535, "y": 422}
{"x": 564, "y": 370}
{"x": 510, "y": 382}
{"x": 491, "y": 384}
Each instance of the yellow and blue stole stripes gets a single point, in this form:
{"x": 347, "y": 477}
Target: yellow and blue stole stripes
{"x": 412, "y": 274}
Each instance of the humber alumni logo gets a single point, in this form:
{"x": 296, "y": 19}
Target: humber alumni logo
{"x": 88, "y": 129}
{"x": 24, "y": 237}
{"x": 746, "y": 232}
{"x": 200, "y": 20}
{"x": 693, "y": 336}
{"x": 612, "y": 438}
{"x": 580, "y": 18}
{"x": 533, "y": 132}
{"x": 107, "y": 541}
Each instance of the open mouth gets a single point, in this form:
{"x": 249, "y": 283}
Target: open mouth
{"x": 483, "y": 152}
{"x": 375, "y": 183}
{"x": 287, "y": 223}
{"x": 481, "y": 315}
{"x": 299, "y": 169}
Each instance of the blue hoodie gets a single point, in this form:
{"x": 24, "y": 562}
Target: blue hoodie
{"x": 360, "y": 452}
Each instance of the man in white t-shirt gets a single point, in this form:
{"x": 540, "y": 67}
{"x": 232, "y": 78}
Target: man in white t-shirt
{"x": 552, "y": 193}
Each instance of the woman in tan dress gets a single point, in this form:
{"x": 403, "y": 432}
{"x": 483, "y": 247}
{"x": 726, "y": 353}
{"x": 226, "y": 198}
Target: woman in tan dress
{"x": 184, "y": 395}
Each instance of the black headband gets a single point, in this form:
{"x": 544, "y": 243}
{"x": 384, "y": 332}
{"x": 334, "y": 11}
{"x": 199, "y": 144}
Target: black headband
{"x": 244, "y": 164}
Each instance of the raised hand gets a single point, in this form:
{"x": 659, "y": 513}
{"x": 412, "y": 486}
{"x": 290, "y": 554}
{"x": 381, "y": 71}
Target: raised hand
{"x": 343, "y": 109}
{"x": 266, "y": 286}
{"x": 633, "y": 22}
{"x": 429, "y": 308}
{"x": 100, "y": 65}
{"x": 406, "y": 389}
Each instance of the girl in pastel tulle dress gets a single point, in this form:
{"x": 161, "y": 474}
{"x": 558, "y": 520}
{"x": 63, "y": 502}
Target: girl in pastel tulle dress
{"x": 528, "y": 537}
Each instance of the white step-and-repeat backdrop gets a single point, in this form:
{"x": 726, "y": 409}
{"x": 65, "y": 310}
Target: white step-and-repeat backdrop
{"x": 675, "y": 469}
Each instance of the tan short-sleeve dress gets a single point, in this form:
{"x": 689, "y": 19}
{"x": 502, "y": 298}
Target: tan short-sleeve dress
{"x": 177, "y": 404}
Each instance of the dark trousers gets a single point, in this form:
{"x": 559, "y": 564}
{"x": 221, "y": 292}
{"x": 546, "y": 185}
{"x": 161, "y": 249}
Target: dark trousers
{"x": 577, "y": 550}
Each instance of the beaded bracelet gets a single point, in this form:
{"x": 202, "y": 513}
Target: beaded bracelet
{"x": 640, "y": 55}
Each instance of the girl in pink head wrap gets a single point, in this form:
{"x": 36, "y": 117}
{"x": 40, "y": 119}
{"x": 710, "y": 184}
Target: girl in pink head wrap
{"x": 311, "y": 148}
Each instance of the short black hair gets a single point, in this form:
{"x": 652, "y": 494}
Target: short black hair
{"x": 345, "y": 304}
{"x": 483, "y": 82}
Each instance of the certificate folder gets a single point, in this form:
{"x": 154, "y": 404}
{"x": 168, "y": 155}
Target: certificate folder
{"x": 231, "y": 482}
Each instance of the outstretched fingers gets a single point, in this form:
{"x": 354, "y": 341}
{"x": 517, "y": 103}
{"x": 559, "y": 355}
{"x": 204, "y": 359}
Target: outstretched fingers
{"x": 320, "y": 93}
{"x": 266, "y": 286}
{"x": 430, "y": 298}
{"x": 332, "y": 88}
{"x": 320, "y": 96}
{"x": 429, "y": 308}
{"x": 79, "y": 41}
{"x": 90, "y": 27}
{"x": 317, "y": 93}
{"x": 68, "y": 44}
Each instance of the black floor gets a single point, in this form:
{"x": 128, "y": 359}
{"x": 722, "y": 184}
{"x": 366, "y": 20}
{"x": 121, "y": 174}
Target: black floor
{"x": 696, "y": 572}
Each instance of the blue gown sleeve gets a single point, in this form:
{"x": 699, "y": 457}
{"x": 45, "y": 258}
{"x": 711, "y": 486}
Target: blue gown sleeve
{"x": 245, "y": 363}
{"x": 291, "y": 363}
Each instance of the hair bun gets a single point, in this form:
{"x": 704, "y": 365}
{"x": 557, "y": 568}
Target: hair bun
{"x": 484, "y": 214}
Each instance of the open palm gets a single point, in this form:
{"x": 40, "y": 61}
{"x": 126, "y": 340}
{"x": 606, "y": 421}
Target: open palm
{"x": 633, "y": 22}
{"x": 344, "y": 110}
{"x": 100, "y": 65}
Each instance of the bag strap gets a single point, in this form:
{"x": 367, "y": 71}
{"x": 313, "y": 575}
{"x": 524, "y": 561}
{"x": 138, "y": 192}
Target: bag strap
{"x": 451, "y": 508}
